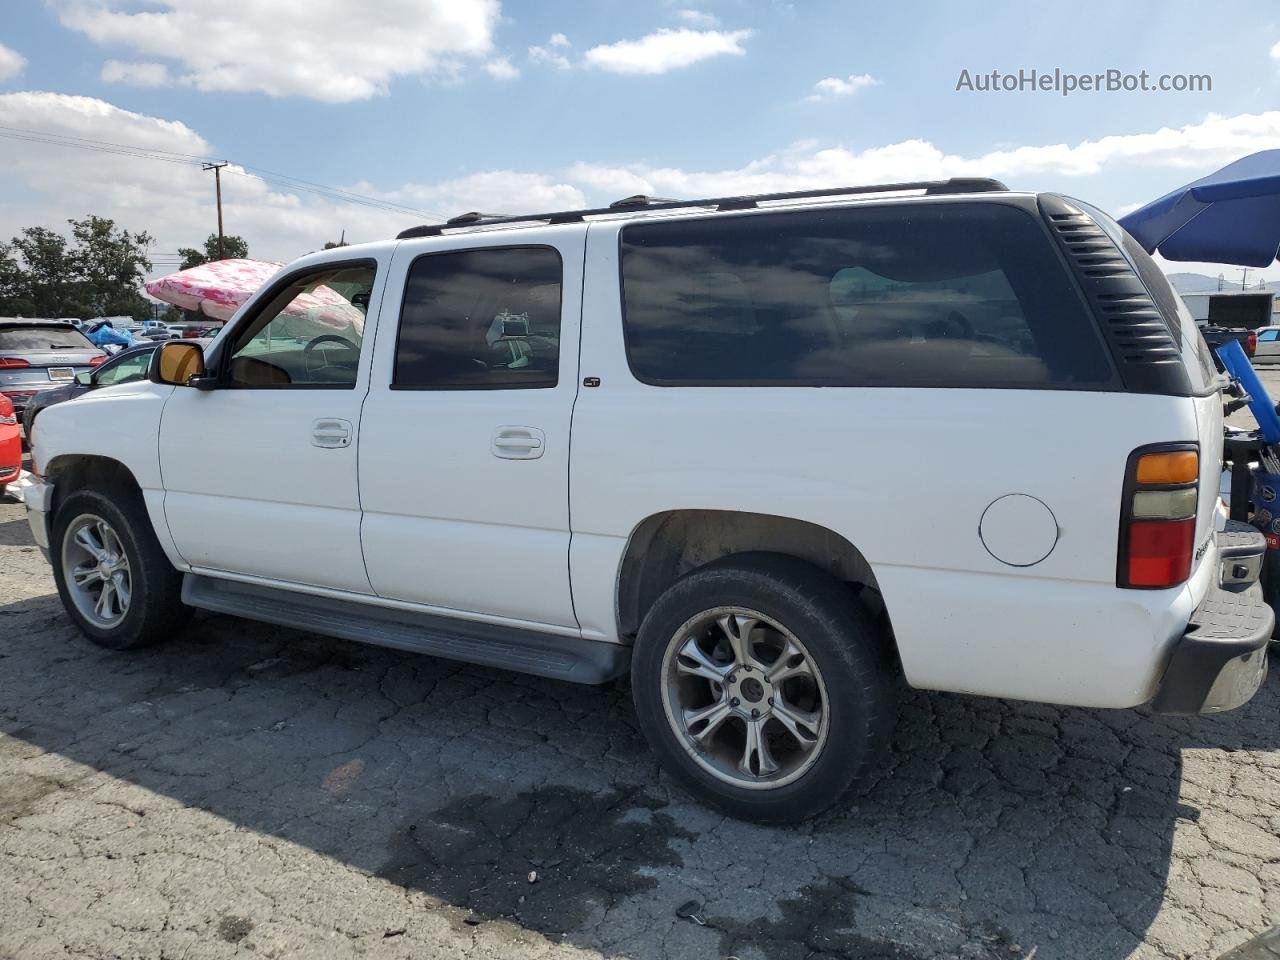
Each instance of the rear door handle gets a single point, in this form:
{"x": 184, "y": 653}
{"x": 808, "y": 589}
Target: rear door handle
{"x": 331, "y": 433}
{"x": 518, "y": 443}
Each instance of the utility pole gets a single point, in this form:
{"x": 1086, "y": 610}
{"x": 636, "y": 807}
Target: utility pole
{"x": 1244, "y": 277}
{"x": 217, "y": 186}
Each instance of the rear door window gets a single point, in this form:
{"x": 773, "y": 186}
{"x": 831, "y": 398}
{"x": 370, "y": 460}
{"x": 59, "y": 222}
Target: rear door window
{"x": 937, "y": 295}
{"x": 481, "y": 319}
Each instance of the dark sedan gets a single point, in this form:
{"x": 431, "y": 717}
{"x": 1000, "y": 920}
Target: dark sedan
{"x": 41, "y": 355}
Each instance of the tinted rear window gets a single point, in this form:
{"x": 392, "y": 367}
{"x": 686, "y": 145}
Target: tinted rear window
{"x": 945, "y": 295}
{"x": 37, "y": 339}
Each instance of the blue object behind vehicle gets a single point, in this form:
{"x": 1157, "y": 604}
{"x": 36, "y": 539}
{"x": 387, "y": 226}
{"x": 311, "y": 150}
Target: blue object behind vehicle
{"x": 104, "y": 335}
{"x": 1260, "y": 404}
{"x": 1230, "y": 216}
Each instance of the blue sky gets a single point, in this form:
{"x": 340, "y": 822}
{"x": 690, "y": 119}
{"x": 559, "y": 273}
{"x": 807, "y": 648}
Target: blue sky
{"x": 449, "y": 105}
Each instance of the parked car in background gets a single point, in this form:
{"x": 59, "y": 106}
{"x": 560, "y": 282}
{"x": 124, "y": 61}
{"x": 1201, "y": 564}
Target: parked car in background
{"x": 1268, "y": 345}
{"x": 39, "y": 355}
{"x": 125, "y": 367}
{"x": 589, "y": 442}
{"x": 10, "y": 442}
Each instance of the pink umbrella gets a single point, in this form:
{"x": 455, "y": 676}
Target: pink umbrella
{"x": 217, "y": 290}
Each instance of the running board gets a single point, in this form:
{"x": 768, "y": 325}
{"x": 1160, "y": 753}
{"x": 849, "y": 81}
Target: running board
{"x": 525, "y": 651}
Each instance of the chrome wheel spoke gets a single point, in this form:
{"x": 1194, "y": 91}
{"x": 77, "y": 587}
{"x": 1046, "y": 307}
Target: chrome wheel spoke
{"x": 800, "y": 724}
{"x": 120, "y": 583}
{"x": 737, "y": 630}
{"x": 791, "y": 663}
{"x": 85, "y": 573}
{"x": 756, "y": 760}
{"x": 84, "y": 538}
{"x": 692, "y": 660}
{"x": 709, "y": 719}
{"x": 103, "y": 605}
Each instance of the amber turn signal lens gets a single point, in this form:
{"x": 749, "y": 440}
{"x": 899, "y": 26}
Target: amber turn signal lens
{"x": 1181, "y": 466}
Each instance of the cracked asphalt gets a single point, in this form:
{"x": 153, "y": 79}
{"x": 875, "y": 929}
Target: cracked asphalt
{"x": 246, "y": 790}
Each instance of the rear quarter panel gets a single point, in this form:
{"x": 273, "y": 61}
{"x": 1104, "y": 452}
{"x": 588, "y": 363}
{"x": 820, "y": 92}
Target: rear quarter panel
{"x": 905, "y": 475}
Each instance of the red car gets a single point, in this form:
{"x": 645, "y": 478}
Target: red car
{"x": 10, "y": 442}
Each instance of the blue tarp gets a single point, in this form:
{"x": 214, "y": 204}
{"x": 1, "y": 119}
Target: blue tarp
{"x": 1231, "y": 216}
{"x": 104, "y": 335}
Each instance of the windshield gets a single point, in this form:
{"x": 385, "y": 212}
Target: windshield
{"x": 38, "y": 337}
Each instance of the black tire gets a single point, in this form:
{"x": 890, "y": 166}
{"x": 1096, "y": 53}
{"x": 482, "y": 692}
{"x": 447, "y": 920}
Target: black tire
{"x": 156, "y": 611}
{"x": 852, "y": 654}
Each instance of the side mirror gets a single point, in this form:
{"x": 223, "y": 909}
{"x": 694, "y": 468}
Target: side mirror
{"x": 84, "y": 379}
{"x": 180, "y": 363}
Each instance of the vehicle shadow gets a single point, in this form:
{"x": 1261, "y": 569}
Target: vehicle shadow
{"x": 995, "y": 827}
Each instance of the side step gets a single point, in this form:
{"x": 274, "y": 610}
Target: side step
{"x": 525, "y": 651}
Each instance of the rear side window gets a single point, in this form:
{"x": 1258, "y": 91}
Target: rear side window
{"x": 481, "y": 320}
{"x": 38, "y": 338}
{"x": 936, "y": 295}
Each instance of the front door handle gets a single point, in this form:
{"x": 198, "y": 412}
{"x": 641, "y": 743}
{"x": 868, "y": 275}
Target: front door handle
{"x": 518, "y": 443}
{"x": 331, "y": 433}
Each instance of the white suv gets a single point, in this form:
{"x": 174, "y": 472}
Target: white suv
{"x": 774, "y": 455}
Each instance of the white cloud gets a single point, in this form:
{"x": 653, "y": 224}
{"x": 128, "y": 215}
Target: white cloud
{"x": 832, "y": 87}
{"x": 501, "y": 68}
{"x": 1197, "y": 147}
{"x": 1275, "y": 51}
{"x": 174, "y": 201}
{"x": 138, "y": 74}
{"x": 665, "y": 50}
{"x": 330, "y": 50}
{"x": 491, "y": 191}
{"x": 12, "y": 63}
{"x": 552, "y": 53}
{"x": 697, "y": 18}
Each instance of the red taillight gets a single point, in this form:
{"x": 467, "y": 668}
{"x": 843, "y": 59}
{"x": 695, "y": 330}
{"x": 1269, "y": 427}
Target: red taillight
{"x": 6, "y": 406}
{"x": 97, "y": 361}
{"x": 1160, "y": 552}
{"x": 12, "y": 363}
{"x": 1252, "y": 344}
{"x": 1158, "y": 516}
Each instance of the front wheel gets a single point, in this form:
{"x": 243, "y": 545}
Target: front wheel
{"x": 764, "y": 687}
{"x": 112, "y": 574}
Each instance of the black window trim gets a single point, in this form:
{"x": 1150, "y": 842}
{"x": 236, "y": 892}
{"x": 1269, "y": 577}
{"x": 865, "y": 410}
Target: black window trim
{"x": 226, "y": 345}
{"x": 395, "y": 354}
{"x": 1112, "y": 385}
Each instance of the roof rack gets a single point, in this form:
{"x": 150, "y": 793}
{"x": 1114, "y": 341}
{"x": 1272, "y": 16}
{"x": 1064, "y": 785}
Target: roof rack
{"x": 641, "y": 202}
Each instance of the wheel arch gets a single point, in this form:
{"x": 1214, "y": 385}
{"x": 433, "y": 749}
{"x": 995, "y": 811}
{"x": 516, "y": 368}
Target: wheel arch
{"x": 665, "y": 546}
{"x": 69, "y": 472}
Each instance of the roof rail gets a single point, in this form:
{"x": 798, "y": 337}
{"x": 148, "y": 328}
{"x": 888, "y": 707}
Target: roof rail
{"x": 641, "y": 202}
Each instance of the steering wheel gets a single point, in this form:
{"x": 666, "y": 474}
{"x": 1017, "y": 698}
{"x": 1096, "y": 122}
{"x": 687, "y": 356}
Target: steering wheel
{"x": 322, "y": 339}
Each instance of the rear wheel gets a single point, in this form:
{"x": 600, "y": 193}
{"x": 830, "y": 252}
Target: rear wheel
{"x": 113, "y": 577}
{"x": 764, "y": 687}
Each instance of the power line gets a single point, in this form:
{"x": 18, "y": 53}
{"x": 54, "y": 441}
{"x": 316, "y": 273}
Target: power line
{"x": 334, "y": 194}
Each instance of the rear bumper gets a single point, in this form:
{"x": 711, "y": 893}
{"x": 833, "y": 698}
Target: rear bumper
{"x": 1221, "y": 659}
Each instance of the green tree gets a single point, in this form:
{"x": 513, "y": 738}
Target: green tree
{"x": 47, "y": 285}
{"x": 233, "y": 247}
{"x": 13, "y": 285}
{"x": 98, "y": 272}
{"x": 109, "y": 266}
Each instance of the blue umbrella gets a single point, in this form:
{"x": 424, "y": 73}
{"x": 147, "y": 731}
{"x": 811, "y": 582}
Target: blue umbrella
{"x": 1231, "y": 216}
